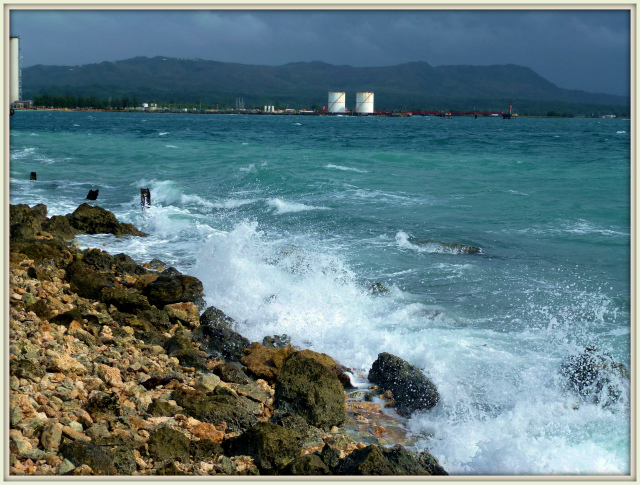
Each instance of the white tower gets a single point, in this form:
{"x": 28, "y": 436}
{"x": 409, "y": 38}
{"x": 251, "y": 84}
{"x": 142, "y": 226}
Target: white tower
{"x": 15, "y": 88}
{"x": 364, "y": 103}
{"x": 336, "y": 102}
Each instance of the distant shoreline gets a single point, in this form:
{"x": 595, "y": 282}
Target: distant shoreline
{"x": 380, "y": 114}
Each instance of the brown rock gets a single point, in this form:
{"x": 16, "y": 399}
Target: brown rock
{"x": 258, "y": 360}
{"x": 22, "y": 401}
{"x": 51, "y": 437}
{"x": 74, "y": 435}
{"x": 67, "y": 364}
{"x": 110, "y": 375}
{"x": 207, "y": 431}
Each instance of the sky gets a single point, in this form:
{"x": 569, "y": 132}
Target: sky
{"x": 587, "y": 50}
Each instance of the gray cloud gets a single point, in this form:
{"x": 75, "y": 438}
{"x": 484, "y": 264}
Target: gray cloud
{"x": 575, "y": 49}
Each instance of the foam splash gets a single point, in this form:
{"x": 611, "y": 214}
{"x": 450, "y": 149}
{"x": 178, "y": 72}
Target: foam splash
{"x": 280, "y": 206}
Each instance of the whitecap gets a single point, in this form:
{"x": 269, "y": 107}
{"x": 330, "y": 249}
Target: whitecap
{"x": 163, "y": 133}
{"x": 342, "y": 167}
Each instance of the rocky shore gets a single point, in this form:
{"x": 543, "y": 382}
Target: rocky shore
{"x": 117, "y": 368}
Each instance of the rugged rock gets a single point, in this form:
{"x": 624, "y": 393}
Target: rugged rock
{"x": 90, "y": 219}
{"x": 221, "y": 341}
{"x": 411, "y": 389}
{"x": 331, "y": 365}
{"x": 217, "y": 409}
{"x": 167, "y": 444}
{"x": 59, "y": 227}
{"x": 307, "y": 388}
{"x": 310, "y": 464}
{"x": 105, "y": 456}
{"x": 376, "y": 460}
{"x": 279, "y": 341}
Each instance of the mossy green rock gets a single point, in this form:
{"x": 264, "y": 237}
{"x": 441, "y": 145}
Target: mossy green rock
{"x": 24, "y": 368}
{"x": 376, "y": 460}
{"x": 89, "y": 219}
{"x": 237, "y": 412}
{"x": 310, "y": 464}
{"x": 43, "y": 250}
{"x": 272, "y": 447}
{"x": 180, "y": 346}
{"x": 307, "y": 388}
{"x": 159, "y": 407}
{"x": 86, "y": 281}
{"x": 58, "y": 226}
{"x": 168, "y": 289}
{"x": 125, "y": 299}
{"x": 167, "y": 444}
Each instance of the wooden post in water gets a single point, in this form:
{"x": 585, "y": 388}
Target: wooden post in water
{"x": 145, "y": 198}
{"x": 33, "y": 176}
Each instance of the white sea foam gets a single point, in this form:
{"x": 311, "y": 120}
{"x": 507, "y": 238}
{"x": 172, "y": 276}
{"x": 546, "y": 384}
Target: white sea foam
{"x": 163, "y": 133}
{"x": 342, "y": 167}
{"x": 283, "y": 207}
{"x": 170, "y": 146}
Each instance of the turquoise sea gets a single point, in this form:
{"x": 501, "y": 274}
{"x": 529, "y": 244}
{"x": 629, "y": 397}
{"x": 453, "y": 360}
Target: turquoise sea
{"x": 289, "y": 220}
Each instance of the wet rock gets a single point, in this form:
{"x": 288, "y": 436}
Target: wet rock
{"x": 212, "y": 317}
{"x": 174, "y": 289}
{"x": 272, "y": 447}
{"x": 89, "y": 219}
{"x": 378, "y": 289}
{"x": 595, "y": 376}
{"x": 67, "y": 317}
{"x": 167, "y": 444}
{"x": 412, "y": 390}
{"x": 229, "y": 372}
{"x": 221, "y": 341}
{"x": 278, "y": 341}
{"x": 124, "y": 264}
{"x": 307, "y": 388}
{"x": 308, "y": 434}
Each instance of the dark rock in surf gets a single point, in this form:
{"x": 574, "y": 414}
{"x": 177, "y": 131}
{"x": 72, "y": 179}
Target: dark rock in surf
{"x": 376, "y": 460}
{"x": 93, "y": 194}
{"x": 412, "y": 390}
{"x": 212, "y": 317}
{"x": 221, "y": 341}
{"x": 278, "y": 341}
{"x": 59, "y": 227}
{"x": 595, "y": 376}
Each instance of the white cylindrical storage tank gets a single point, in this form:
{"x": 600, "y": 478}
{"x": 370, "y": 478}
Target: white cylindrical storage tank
{"x": 336, "y": 102}
{"x": 14, "y": 69}
{"x": 364, "y": 103}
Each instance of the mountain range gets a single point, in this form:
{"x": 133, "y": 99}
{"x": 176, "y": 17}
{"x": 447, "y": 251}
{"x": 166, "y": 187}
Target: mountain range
{"x": 414, "y": 85}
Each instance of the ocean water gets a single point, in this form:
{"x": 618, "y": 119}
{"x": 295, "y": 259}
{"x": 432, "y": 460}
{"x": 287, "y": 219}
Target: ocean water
{"x": 289, "y": 220}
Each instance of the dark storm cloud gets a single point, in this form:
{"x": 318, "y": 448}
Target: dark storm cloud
{"x": 575, "y": 49}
